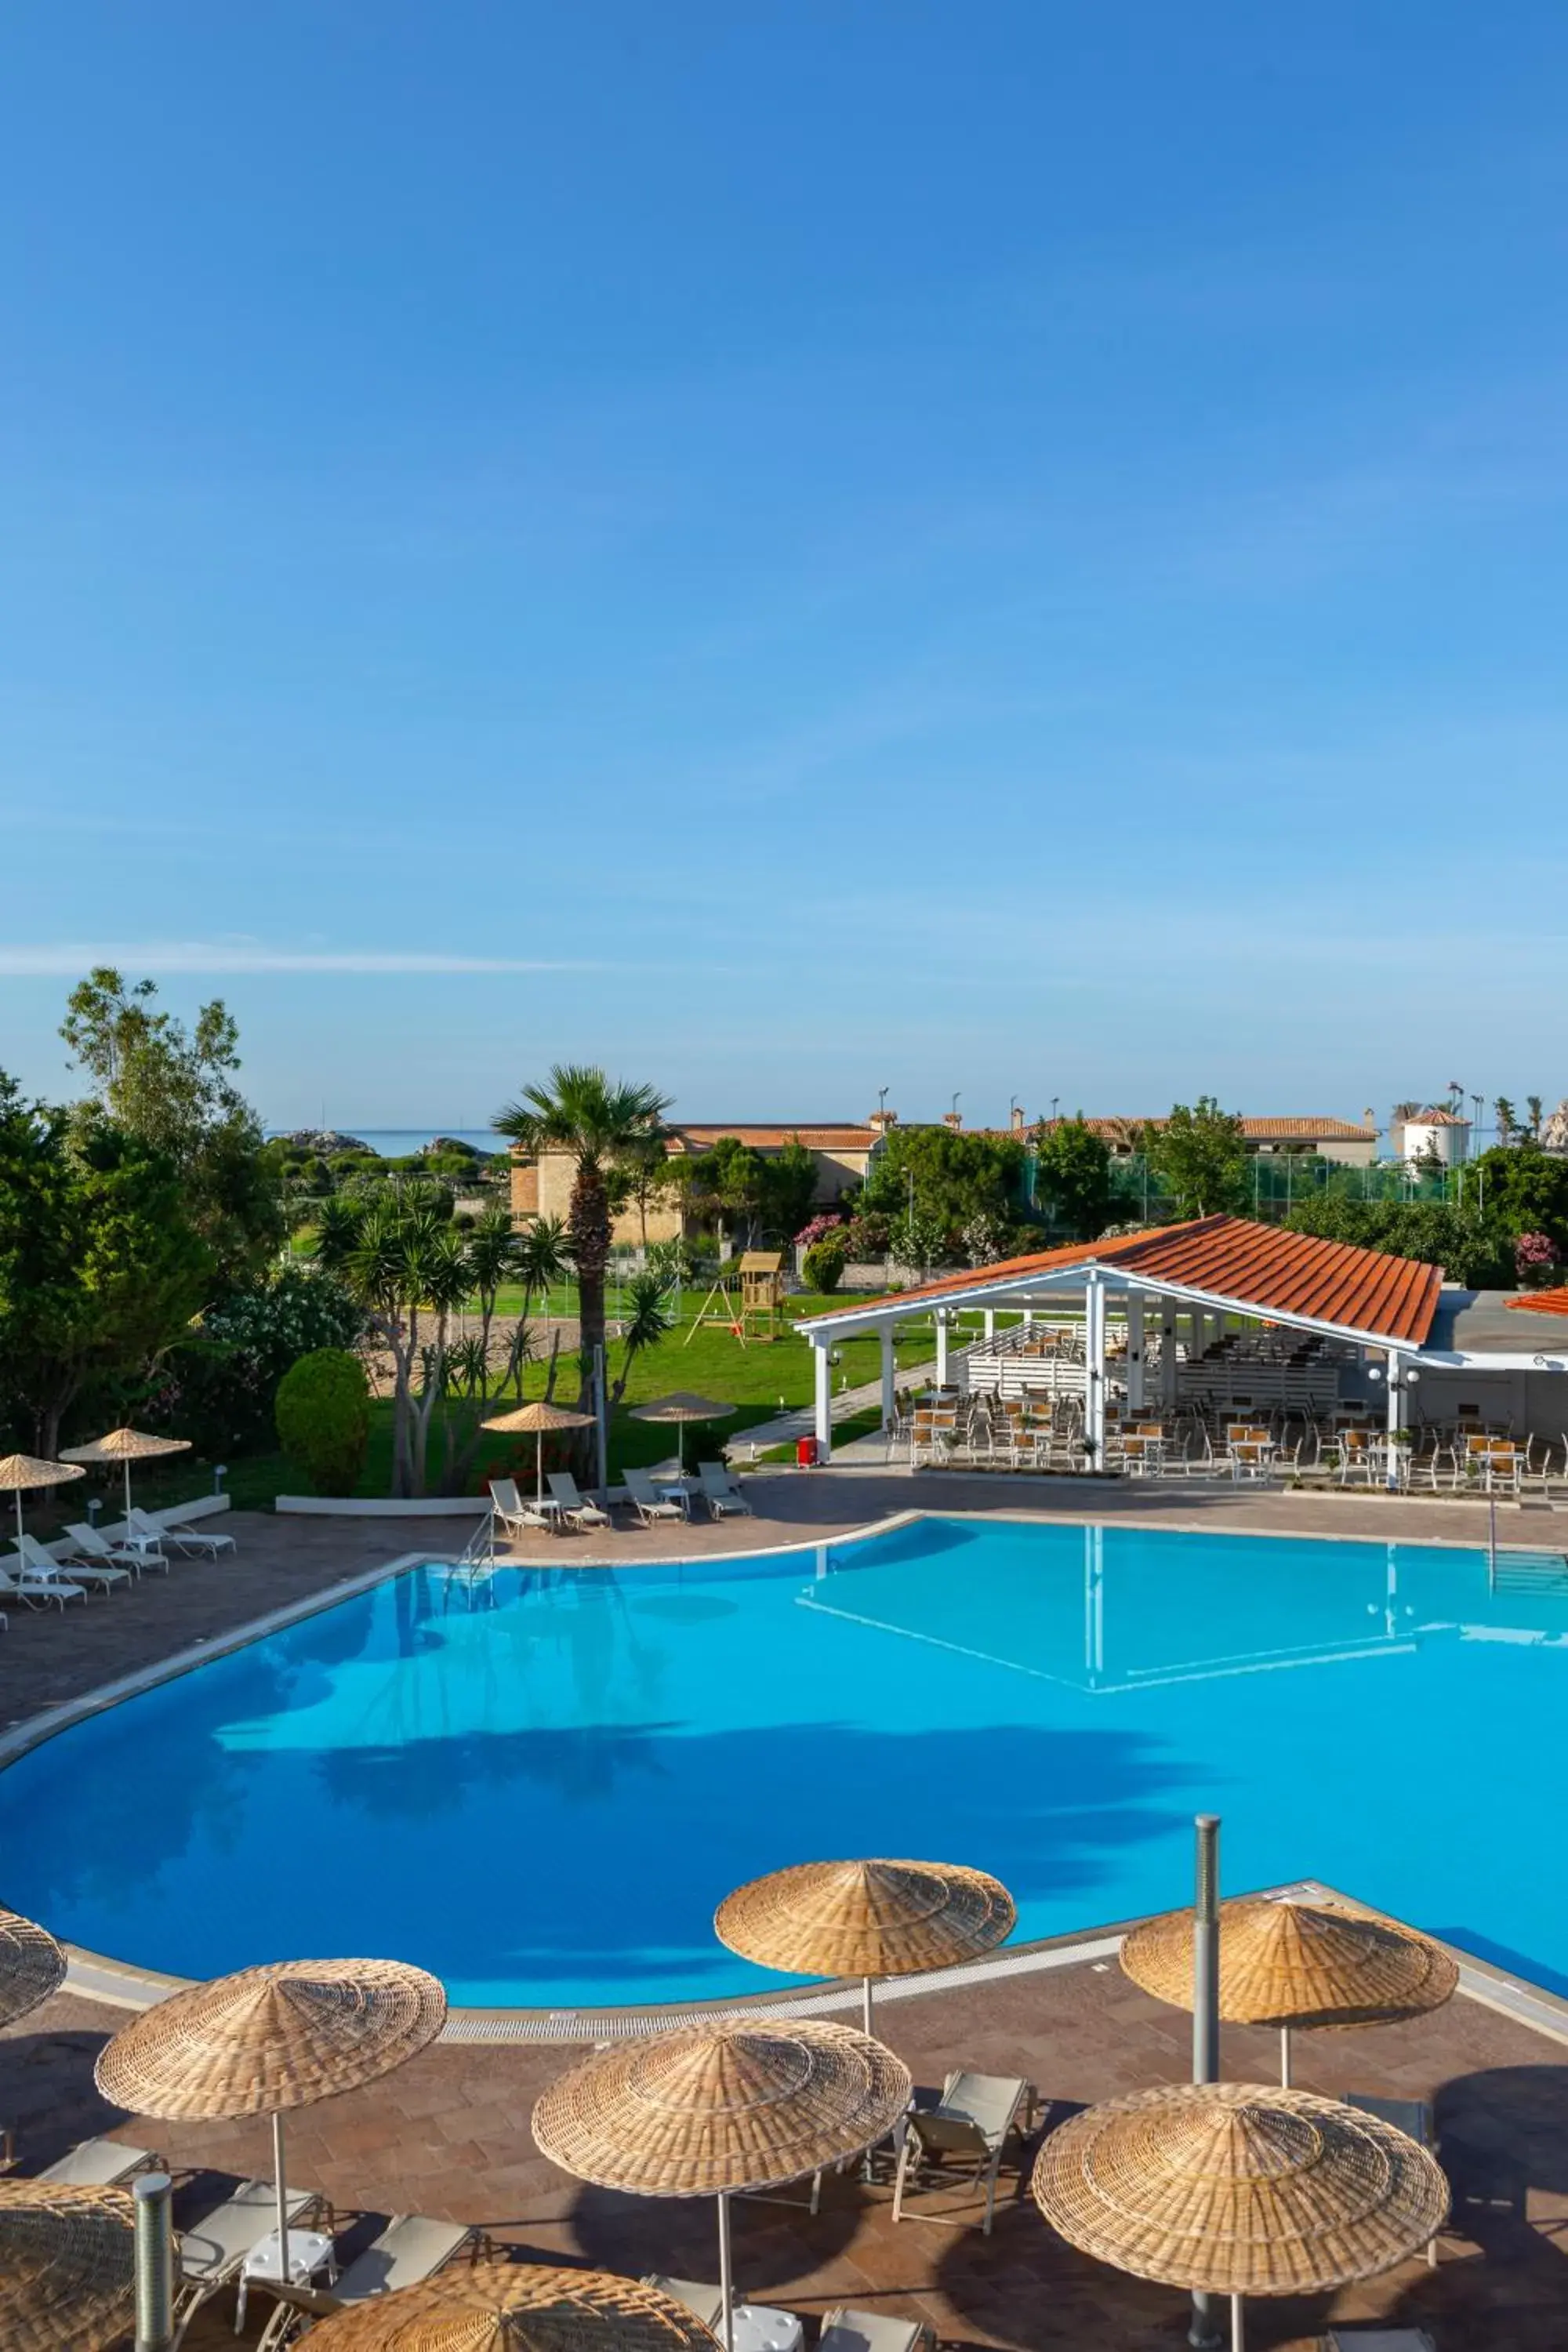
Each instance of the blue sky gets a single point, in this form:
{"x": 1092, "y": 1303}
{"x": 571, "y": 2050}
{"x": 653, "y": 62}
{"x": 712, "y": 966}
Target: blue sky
{"x": 791, "y": 546}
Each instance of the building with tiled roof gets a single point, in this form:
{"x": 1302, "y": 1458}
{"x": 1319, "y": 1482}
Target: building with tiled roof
{"x": 1352, "y": 1142}
{"x": 842, "y": 1148}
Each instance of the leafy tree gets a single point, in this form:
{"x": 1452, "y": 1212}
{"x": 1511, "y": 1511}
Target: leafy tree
{"x": 1472, "y": 1251}
{"x": 172, "y": 1090}
{"x": 1506, "y": 1119}
{"x": 1072, "y": 1175}
{"x": 602, "y": 1126}
{"x": 918, "y": 1240}
{"x": 101, "y": 1267}
{"x": 323, "y": 1418}
{"x": 789, "y": 1185}
{"x": 1521, "y": 1190}
{"x": 954, "y": 1178}
{"x": 823, "y": 1264}
{"x": 727, "y": 1186}
{"x": 1536, "y": 1107}
{"x": 492, "y": 1256}
{"x": 1199, "y": 1154}
{"x": 644, "y": 1181}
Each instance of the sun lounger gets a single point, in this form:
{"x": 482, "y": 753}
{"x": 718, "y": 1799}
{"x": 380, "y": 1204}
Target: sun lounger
{"x": 151, "y": 1531}
{"x": 515, "y": 1516}
{"x": 1380, "y": 2339}
{"x": 719, "y": 1491}
{"x": 41, "y": 1562}
{"x": 698, "y": 2297}
{"x": 100, "y": 2164}
{"x": 870, "y": 2331}
{"x": 970, "y": 2126}
{"x": 211, "y": 2252}
{"x": 575, "y": 1508}
{"x": 86, "y": 1543}
{"x": 408, "y": 2251}
{"x": 647, "y": 1501}
{"x": 37, "y": 1591}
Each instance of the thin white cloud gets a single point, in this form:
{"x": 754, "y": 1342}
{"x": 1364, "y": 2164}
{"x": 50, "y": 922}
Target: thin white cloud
{"x": 69, "y": 959}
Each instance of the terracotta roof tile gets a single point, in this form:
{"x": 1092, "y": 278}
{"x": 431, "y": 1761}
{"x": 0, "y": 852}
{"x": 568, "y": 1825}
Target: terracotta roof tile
{"x": 1544, "y": 1302}
{"x": 1259, "y": 1268}
{"x": 834, "y": 1135}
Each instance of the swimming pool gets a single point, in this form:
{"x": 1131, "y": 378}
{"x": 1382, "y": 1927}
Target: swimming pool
{"x": 541, "y": 1791}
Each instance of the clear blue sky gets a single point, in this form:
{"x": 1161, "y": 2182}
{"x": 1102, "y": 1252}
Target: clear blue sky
{"x": 1013, "y": 546}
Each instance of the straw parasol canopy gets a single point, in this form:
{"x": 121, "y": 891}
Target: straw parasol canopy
{"x": 23, "y": 1473}
{"x": 539, "y": 1417}
{"x": 865, "y": 1919}
{"x": 67, "y": 2267}
{"x": 126, "y": 1446}
{"x": 1296, "y": 1964}
{"x": 517, "y": 2307}
{"x": 32, "y": 1966}
{"x": 748, "y": 2103}
{"x": 268, "y": 2039}
{"x": 680, "y": 1407}
{"x": 1238, "y": 2189}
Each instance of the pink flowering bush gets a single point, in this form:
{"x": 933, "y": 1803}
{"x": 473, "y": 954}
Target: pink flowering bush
{"x": 1534, "y": 1260}
{"x": 827, "y": 1222}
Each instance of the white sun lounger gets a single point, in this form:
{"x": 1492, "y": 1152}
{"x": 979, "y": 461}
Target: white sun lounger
{"x": 719, "y": 1491}
{"x": 100, "y": 2164}
{"x": 577, "y": 1508}
{"x": 151, "y": 1531}
{"x": 408, "y": 2251}
{"x": 516, "y": 1516}
{"x": 703, "y": 2301}
{"x": 211, "y": 2252}
{"x": 41, "y": 1562}
{"x": 38, "y": 1591}
{"x": 86, "y": 1543}
{"x": 843, "y": 2330}
{"x": 647, "y": 1501}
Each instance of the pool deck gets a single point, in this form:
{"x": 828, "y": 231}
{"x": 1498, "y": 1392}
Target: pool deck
{"x": 449, "y": 2135}
{"x": 47, "y": 1658}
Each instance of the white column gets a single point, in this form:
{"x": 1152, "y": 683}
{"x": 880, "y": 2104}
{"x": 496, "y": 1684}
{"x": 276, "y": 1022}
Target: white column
{"x": 1094, "y": 1355}
{"x": 1135, "y": 1351}
{"x": 941, "y": 1348}
{"x": 823, "y": 1372}
{"x": 889, "y": 1368}
{"x": 1168, "y": 1389}
{"x": 990, "y": 1324}
{"x": 1395, "y": 1386}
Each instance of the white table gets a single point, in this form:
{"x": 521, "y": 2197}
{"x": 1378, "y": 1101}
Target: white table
{"x": 757, "y": 2329}
{"x": 310, "y": 2253}
{"x": 680, "y": 1489}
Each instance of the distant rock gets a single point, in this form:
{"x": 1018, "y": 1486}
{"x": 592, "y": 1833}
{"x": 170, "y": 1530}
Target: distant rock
{"x": 321, "y": 1142}
{"x": 1555, "y": 1132}
{"x": 450, "y": 1143}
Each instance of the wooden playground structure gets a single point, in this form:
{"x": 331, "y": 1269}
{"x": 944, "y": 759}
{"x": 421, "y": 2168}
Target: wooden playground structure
{"x": 748, "y": 1296}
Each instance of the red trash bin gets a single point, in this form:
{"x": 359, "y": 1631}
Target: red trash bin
{"x": 806, "y": 1452}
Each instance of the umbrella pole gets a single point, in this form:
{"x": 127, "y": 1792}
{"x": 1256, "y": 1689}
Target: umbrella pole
{"x": 16, "y": 1498}
{"x": 538, "y": 1465}
{"x": 866, "y": 2007}
{"x": 282, "y": 2187}
{"x": 1237, "y": 2326}
{"x": 1204, "y": 2334}
{"x": 726, "y": 2278}
{"x": 128, "y": 1498}
{"x": 1284, "y": 2057}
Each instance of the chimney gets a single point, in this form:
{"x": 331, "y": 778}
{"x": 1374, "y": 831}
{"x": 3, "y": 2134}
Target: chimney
{"x": 953, "y": 1119}
{"x": 880, "y": 1121}
{"x": 1019, "y": 1121}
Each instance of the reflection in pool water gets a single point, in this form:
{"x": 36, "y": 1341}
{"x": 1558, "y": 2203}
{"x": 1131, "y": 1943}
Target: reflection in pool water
{"x": 541, "y": 1789}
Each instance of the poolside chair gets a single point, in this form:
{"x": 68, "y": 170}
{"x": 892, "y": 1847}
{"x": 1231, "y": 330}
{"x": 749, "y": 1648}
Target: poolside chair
{"x": 1380, "y": 2339}
{"x": 843, "y": 2330}
{"x": 575, "y": 1508}
{"x": 974, "y": 2123}
{"x": 100, "y": 2164}
{"x": 86, "y": 1543}
{"x": 213, "y": 2251}
{"x": 516, "y": 1516}
{"x": 25, "y": 1584}
{"x": 706, "y": 2301}
{"x": 151, "y": 1531}
{"x": 647, "y": 1502}
{"x": 408, "y": 2251}
{"x": 41, "y": 1562}
{"x": 719, "y": 1491}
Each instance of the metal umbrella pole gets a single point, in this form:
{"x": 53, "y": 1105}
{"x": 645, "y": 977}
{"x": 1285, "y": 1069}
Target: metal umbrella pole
{"x": 1204, "y": 2335}
{"x": 726, "y": 2277}
{"x": 154, "y": 2262}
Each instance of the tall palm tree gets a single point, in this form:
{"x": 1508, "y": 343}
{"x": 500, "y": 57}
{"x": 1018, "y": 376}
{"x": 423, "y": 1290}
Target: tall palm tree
{"x": 602, "y": 1126}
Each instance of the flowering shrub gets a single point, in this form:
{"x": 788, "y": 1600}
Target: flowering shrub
{"x": 827, "y": 1222}
{"x": 217, "y": 1390}
{"x": 869, "y": 1235}
{"x": 1534, "y": 1260}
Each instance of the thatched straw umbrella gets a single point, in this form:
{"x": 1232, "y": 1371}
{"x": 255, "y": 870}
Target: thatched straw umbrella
{"x": 1238, "y": 2189}
{"x": 517, "y": 2307}
{"x": 539, "y": 1417}
{"x": 1296, "y": 1964}
{"x": 32, "y": 1966}
{"x": 67, "y": 2267}
{"x": 267, "y": 2038}
{"x": 23, "y": 1473}
{"x": 678, "y": 1409}
{"x": 865, "y": 1919}
{"x": 718, "y": 2110}
{"x": 126, "y": 1446}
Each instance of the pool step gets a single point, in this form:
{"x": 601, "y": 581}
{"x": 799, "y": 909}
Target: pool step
{"x": 1533, "y": 1572}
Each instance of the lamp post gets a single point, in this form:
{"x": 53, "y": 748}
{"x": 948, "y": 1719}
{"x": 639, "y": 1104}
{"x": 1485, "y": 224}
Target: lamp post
{"x": 1401, "y": 1378}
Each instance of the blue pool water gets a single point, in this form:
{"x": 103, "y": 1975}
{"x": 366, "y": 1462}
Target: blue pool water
{"x": 542, "y": 1793}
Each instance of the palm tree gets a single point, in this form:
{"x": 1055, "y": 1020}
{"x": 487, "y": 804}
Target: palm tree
{"x": 645, "y": 1322}
{"x": 603, "y": 1127}
{"x": 1535, "y": 1107}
